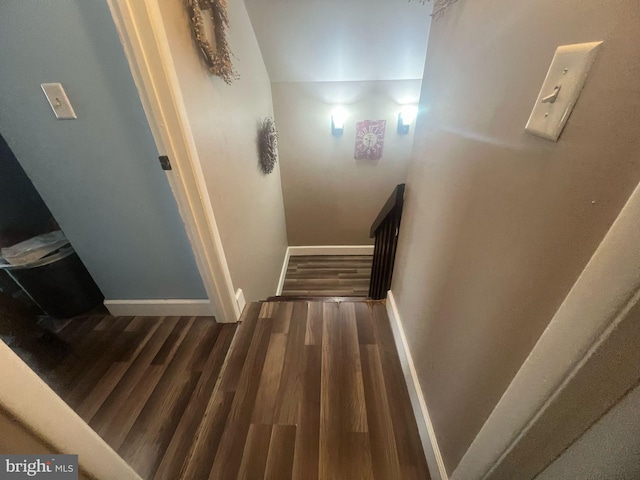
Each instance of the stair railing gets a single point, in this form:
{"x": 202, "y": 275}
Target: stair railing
{"x": 385, "y": 229}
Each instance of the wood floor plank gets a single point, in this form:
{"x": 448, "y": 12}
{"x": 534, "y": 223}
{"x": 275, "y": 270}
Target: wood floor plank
{"x": 313, "y": 334}
{"x": 209, "y": 433}
{"x": 205, "y": 445}
{"x": 366, "y": 335}
{"x": 106, "y": 351}
{"x": 229, "y": 455}
{"x": 307, "y": 446}
{"x": 327, "y": 275}
{"x": 116, "y": 424}
{"x": 205, "y": 345}
{"x": 152, "y": 431}
{"x": 241, "y": 346}
{"x": 265, "y": 403}
{"x": 343, "y": 409}
{"x": 88, "y": 407}
{"x": 281, "y": 453}
{"x": 150, "y": 435}
{"x": 357, "y": 462}
{"x": 282, "y": 317}
{"x": 256, "y": 450}
{"x": 177, "y": 453}
{"x": 171, "y": 342}
{"x": 115, "y": 429}
{"x": 112, "y": 405}
{"x": 268, "y": 310}
{"x": 80, "y": 336}
{"x": 290, "y": 391}
{"x": 384, "y": 454}
{"x": 351, "y": 363}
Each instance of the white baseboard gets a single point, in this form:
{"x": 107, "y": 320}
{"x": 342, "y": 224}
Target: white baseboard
{"x": 241, "y": 300}
{"x": 425, "y": 427}
{"x": 330, "y": 250}
{"x": 159, "y": 308}
{"x": 283, "y": 272}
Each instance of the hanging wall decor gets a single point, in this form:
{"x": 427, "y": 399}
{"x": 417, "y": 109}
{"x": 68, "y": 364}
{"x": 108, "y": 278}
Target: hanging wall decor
{"x": 370, "y": 139}
{"x": 439, "y": 6}
{"x": 268, "y": 145}
{"x": 216, "y": 56}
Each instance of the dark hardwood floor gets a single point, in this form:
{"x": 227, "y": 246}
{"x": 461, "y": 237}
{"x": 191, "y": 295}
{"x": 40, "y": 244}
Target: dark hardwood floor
{"x": 336, "y": 276}
{"x": 309, "y": 390}
{"x": 142, "y": 383}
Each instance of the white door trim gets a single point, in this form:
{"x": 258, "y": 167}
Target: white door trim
{"x": 30, "y": 401}
{"x": 603, "y": 294}
{"x": 147, "y": 49}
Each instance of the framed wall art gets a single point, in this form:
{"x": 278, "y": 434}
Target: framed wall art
{"x": 370, "y": 139}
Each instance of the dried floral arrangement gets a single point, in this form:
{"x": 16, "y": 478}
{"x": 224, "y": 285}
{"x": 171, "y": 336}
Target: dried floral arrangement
{"x": 268, "y": 145}
{"x": 218, "y": 59}
{"x": 439, "y": 7}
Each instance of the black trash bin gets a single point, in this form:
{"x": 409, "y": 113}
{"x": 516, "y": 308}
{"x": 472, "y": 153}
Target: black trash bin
{"x": 59, "y": 283}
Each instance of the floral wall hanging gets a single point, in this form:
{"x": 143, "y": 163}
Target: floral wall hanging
{"x": 268, "y": 145}
{"x": 216, "y": 56}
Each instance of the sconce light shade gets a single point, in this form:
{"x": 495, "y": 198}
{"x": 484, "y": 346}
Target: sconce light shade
{"x": 338, "y": 117}
{"x": 405, "y": 118}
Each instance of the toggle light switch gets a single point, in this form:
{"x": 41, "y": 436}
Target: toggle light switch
{"x": 58, "y": 100}
{"x": 561, "y": 89}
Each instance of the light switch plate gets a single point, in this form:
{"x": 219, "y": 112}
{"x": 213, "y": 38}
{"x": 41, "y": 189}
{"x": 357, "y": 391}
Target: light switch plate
{"x": 561, "y": 89}
{"x": 58, "y": 100}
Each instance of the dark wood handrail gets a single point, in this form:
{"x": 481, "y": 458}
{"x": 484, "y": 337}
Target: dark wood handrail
{"x": 385, "y": 229}
{"x": 396, "y": 200}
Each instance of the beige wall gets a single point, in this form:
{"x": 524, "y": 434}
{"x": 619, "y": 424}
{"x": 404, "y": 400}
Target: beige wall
{"x": 16, "y": 439}
{"x": 498, "y": 224}
{"x": 609, "y": 449}
{"x": 602, "y": 380}
{"x": 331, "y": 198}
{"x": 224, "y": 119}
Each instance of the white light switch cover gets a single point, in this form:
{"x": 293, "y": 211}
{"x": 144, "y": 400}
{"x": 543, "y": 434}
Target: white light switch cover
{"x": 568, "y": 71}
{"x": 58, "y": 100}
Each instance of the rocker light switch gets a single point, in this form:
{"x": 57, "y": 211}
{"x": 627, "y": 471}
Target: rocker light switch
{"x": 58, "y": 100}
{"x": 561, "y": 89}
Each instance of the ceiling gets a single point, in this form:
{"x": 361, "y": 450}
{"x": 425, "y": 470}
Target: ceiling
{"x": 341, "y": 40}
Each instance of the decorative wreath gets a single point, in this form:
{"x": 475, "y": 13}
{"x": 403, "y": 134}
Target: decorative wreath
{"x": 218, "y": 60}
{"x": 268, "y": 145}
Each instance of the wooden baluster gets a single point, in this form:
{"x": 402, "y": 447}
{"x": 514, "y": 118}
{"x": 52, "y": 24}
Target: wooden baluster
{"x": 385, "y": 230}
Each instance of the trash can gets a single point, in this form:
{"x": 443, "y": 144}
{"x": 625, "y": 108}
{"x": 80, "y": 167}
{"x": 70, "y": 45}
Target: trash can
{"x": 58, "y": 283}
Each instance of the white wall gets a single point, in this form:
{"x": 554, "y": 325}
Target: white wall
{"x": 99, "y": 174}
{"x": 331, "y": 198}
{"x": 341, "y": 41}
{"x": 224, "y": 120}
{"x": 498, "y": 224}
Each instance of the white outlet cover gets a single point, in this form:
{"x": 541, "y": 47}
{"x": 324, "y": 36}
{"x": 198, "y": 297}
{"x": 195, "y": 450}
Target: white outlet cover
{"x": 58, "y": 100}
{"x": 568, "y": 70}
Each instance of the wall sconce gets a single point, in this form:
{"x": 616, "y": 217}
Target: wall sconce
{"x": 405, "y": 118}
{"x": 338, "y": 117}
